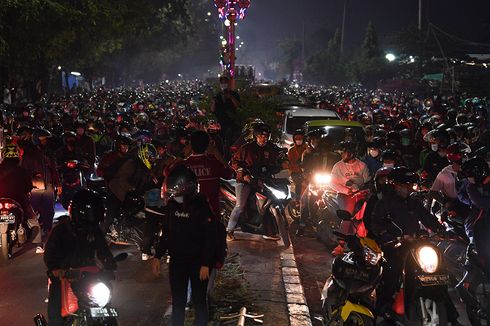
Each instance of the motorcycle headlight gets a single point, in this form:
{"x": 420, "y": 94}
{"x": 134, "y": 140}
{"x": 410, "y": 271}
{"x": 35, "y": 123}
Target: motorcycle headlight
{"x": 278, "y": 193}
{"x": 100, "y": 294}
{"x": 371, "y": 257}
{"x": 427, "y": 259}
{"x": 322, "y": 179}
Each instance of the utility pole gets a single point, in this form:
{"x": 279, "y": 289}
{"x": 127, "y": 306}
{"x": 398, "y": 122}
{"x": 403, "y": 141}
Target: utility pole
{"x": 343, "y": 30}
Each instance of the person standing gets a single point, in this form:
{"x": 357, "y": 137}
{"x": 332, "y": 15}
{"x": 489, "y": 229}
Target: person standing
{"x": 188, "y": 236}
{"x": 224, "y": 106}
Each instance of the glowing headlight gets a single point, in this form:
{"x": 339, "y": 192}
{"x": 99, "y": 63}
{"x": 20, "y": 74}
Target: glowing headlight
{"x": 427, "y": 259}
{"x": 277, "y": 193}
{"x": 100, "y": 294}
{"x": 370, "y": 256}
{"x": 322, "y": 178}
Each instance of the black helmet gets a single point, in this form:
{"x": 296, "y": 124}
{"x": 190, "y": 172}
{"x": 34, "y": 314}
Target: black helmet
{"x": 261, "y": 129}
{"x": 80, "y": 123}
{"x": 381, "y": 178}
{"x": 86, "y": 209}
{"x": 298, "y": 132}
{"x": 67, "y": 135}
{"x": 39, "y": 133}
{"x": 123, "y": 140}
{"x": 402, "y": 175}
{"x": 377, "y": 142}
{"x": 347, "y": 146}
{"x": 476, "y": 168}
{"x": 441, "y": 137}
{"x": 181, "y": 181}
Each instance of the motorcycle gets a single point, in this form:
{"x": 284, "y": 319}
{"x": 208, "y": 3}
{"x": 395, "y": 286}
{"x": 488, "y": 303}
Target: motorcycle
{"x": 423, "y": 295}
{"x": 349, "y": 293}
{"x": 474, "y": 290}
{"x": 266, "y": 204}
{"x": 86, "y": 295}
{"x": 11, "y": 229}
{"x": 128, "y": 227}
{"x": 72, "y": 180}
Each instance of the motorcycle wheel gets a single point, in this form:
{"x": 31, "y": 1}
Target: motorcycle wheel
{"x": 281, "y": 223}
{"x": 455, "y": 255}
{"x": 476, "y": 313}
{"x": 293, "y": 211}
{"x": 436, "y": 310}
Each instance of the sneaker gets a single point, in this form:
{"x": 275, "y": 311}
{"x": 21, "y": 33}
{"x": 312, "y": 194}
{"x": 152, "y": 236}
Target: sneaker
{"x": 145, "y": 257}
{"x": 230, "y": 236}
{"x": 39, "y": 250}
{"x": 271, "y": 237}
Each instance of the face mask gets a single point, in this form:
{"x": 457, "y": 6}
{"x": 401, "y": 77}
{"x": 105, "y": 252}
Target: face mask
{"x": 299, "y": 142}
{"x": 405, "y": 141}
{"x": 434, "y": 147}
{"x": 403, "y": 192}
{"x": 374, "y": 152}
{"x": 388, "y": 165}
{"x": 179, "y": 199}
{"x": 379, "y": 195}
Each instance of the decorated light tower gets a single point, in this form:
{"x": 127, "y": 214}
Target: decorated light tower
{"x": 230, "y": 11}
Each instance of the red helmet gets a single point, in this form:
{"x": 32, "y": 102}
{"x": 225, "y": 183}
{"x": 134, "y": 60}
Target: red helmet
{"x": 456, "y": 152}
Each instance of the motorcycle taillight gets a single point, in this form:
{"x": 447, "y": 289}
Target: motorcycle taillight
{"x": 71, "y": 165}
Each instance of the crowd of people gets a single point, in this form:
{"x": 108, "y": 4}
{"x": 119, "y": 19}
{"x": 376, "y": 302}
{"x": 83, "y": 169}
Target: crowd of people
{"x": 138, "y": 140}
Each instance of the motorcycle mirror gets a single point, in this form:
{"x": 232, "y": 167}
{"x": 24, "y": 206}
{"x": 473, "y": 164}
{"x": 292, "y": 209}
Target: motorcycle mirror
{"x": 120, "y": 257}
{"x": 344, "y": 215}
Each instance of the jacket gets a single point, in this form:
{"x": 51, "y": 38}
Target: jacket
{"x": 41, "y": 166}
{"x": 251, "y": 159}
{"x": 131, "y": 176}
{"x": 187, "y": 233}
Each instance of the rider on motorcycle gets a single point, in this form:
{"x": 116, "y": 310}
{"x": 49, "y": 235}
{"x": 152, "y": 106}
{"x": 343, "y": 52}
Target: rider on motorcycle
{"x": 255, "y": 159}
{"x": 406, "y": 212}
{"x": 73, "y": 243}
{"x": 17, "y": 184}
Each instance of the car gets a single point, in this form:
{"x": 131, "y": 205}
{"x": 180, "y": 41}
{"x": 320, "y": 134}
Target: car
{"x": 337, "y": 131}
{"x": 296, "y": 116}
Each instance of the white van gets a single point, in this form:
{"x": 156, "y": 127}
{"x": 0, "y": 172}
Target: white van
{"x": 296, "y": 116}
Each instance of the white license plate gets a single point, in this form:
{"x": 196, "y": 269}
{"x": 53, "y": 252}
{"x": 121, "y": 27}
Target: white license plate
{"x": 7, "y": 219}
{"x": 103, "y": 312}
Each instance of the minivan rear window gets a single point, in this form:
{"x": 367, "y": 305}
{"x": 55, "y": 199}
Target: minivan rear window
{"x": 294, "y": 123}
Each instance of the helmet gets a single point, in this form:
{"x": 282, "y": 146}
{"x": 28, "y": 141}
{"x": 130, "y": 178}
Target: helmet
{"x": 261, "y": 129}
{"x": 472, "y": 132}
{"x": 298, "y": 132}
{"x": 316, "y": 133}
{"x": 213, "y": 126}
{"x": 347, "y": 146}
{"x": 86, "y": 209}
{"x": 181, "y": 181}
{"x": 123, "y": 140}
{"x": 67, "y": 135}
{"x": 39, "y": 133}
{"x": 376, "y": 143}
{"x": 475, "y": 168}
{"x": 380, "y": 178}
{"x": 147, "y": 153}
{"x": 456, "y": 152}
{"x": 144, "y": 136}
{"x": 440, "y": 137}
{"x": 402, "y": 175}
{"x": 142, "y": 117}
{"x": 10, "y": 151}
{"x": 80, "y": 124}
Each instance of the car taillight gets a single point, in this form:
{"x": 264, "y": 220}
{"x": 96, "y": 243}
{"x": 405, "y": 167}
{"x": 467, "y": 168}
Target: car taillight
{"x": 1, "y": 205}
{"x": 7, "y": 206}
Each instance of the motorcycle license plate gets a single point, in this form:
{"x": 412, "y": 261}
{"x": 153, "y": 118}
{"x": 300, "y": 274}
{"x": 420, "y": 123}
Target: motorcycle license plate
{"x": 7, "y": 218}
{"x": 429, "y": 280}
{"x": 103, "y": 312}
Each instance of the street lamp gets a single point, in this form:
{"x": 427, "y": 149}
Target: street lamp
{"x": 229, "y": 11}
{"x": 390, "y": 57}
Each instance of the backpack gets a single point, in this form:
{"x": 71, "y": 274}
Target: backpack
{"x": 112, "y": 169}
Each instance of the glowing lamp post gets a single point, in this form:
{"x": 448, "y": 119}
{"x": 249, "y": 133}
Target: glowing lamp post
{"x": 230, "y": 11}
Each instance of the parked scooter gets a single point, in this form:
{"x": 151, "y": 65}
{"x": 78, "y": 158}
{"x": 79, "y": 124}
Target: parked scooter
{"x": 11, "y": 229}
{"x": 86, "y": 296}
{"x": 266, "y": 204}
{"x": 349, "y": 293}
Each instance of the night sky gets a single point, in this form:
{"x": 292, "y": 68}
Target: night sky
{"x": 270, "y": 21}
